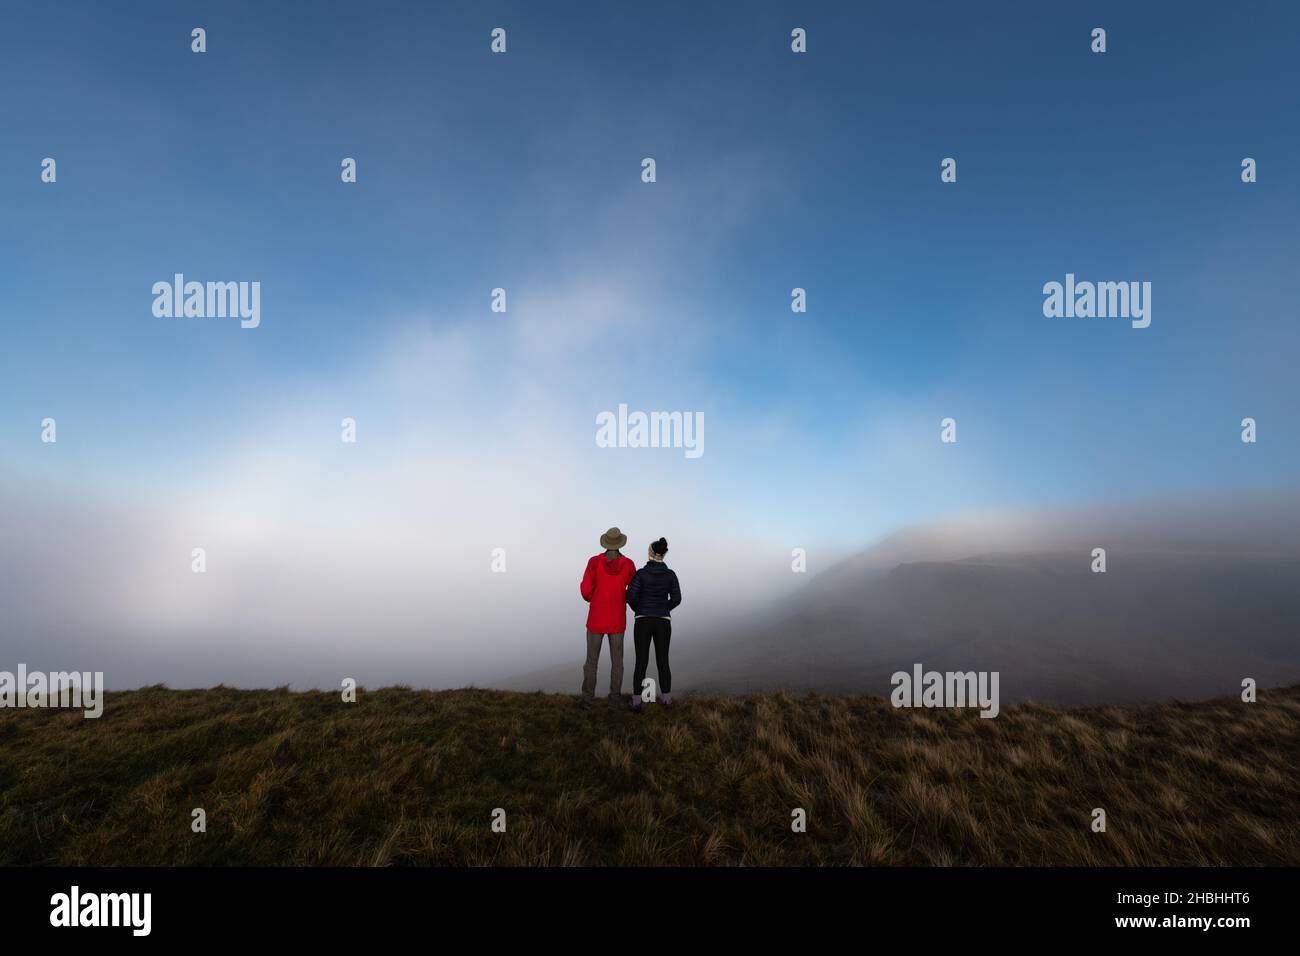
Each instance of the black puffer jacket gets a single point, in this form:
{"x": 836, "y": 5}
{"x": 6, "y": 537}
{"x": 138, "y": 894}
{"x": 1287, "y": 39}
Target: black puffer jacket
{"x": 654, "y": 591}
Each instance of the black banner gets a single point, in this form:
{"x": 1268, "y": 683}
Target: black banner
{"x": 528, "y": 905}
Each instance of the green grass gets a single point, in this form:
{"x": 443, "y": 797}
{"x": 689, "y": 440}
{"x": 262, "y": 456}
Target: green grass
{"x": 407, "y": 777}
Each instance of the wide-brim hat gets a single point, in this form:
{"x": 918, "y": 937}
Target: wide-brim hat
{"x": 613, "y": 539}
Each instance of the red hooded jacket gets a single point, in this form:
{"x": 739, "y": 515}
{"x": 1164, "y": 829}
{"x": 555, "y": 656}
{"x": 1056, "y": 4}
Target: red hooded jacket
{"x": 604, "y": 587}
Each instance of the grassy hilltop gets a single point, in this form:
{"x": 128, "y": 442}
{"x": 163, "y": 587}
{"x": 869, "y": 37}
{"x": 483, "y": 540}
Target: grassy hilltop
{"x": 407, "y": 777}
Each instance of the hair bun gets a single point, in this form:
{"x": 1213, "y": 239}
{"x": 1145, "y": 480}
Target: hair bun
{"x": 660, "y": 546}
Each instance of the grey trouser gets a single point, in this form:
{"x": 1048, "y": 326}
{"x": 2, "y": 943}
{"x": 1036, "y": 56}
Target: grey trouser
{"x": 593, "y": 660}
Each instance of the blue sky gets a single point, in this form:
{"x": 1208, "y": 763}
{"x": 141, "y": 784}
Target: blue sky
{"x": 774, "y": 171}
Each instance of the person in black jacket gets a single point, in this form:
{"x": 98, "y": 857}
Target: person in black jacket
{"x": 652, "y": 595}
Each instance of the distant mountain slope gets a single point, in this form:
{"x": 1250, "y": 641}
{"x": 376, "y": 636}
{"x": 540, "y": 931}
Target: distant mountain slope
{"x": 1198, "y": 594}
{"x": 1168, "y": 626}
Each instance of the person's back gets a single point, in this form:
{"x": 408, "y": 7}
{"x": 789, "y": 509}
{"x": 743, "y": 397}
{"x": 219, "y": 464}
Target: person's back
{"x": 654, "y": 591}
{"x": 604, "y": 586}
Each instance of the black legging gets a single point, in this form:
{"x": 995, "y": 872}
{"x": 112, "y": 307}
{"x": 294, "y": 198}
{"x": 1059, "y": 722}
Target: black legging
{"x": 659, "y": 630}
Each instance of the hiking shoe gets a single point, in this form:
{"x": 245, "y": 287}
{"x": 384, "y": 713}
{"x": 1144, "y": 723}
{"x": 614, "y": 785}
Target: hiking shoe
{"x": 636, "y": 707}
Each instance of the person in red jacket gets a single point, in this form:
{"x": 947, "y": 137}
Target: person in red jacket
{"x": 604, "y": 587}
